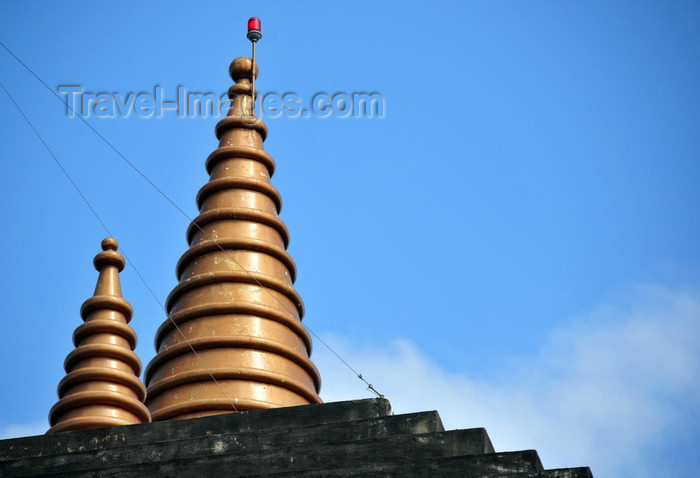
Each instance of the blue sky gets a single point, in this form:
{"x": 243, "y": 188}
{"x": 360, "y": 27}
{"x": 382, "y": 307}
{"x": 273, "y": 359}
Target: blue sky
{"x": 515, "y": 243}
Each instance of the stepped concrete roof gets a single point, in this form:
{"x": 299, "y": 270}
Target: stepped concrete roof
{"x": 343, "y": 439}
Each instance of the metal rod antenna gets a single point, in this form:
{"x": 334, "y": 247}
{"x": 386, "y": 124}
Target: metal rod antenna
{"x": 252, "y": 82}
{"x": 254, "y": 34}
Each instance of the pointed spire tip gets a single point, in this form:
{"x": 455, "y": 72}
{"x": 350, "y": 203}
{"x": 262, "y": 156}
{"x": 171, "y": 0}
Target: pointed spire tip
{"x": 109, "y": 255}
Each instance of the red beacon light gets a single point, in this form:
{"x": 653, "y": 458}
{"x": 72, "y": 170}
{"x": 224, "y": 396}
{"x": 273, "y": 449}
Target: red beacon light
{"x": 254, "y": 30}
{"x": 254, "y": 34}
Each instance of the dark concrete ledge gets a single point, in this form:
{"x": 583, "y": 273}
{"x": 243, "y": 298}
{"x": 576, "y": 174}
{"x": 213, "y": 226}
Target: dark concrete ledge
{"x": 146, "y": 433}
{"x": 250, "y": 449}
{"x": 342, "y": 439}
{"x": 366, "y": 466}
{"x": 250, "y": 453}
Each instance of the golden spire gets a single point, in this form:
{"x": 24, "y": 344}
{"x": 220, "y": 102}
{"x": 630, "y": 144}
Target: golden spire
{"x": 102, "y": 387}
{"x": 235, "y": 303}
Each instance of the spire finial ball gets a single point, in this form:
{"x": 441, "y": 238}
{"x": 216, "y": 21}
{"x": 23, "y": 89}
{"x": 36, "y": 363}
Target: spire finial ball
{"x": 110, "y": 244}
{"x": 240, "y": 68}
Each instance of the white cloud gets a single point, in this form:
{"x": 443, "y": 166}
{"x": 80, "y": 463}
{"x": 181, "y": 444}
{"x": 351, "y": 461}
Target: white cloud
{"x": 616, "y": 390}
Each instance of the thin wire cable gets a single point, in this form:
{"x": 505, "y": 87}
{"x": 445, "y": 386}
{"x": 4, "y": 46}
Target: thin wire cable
{"x": 80, "y": 117}
{"x": 359, "y": 376}
{"x": 109, "y": 233}
{"x": 370, "y": 387}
